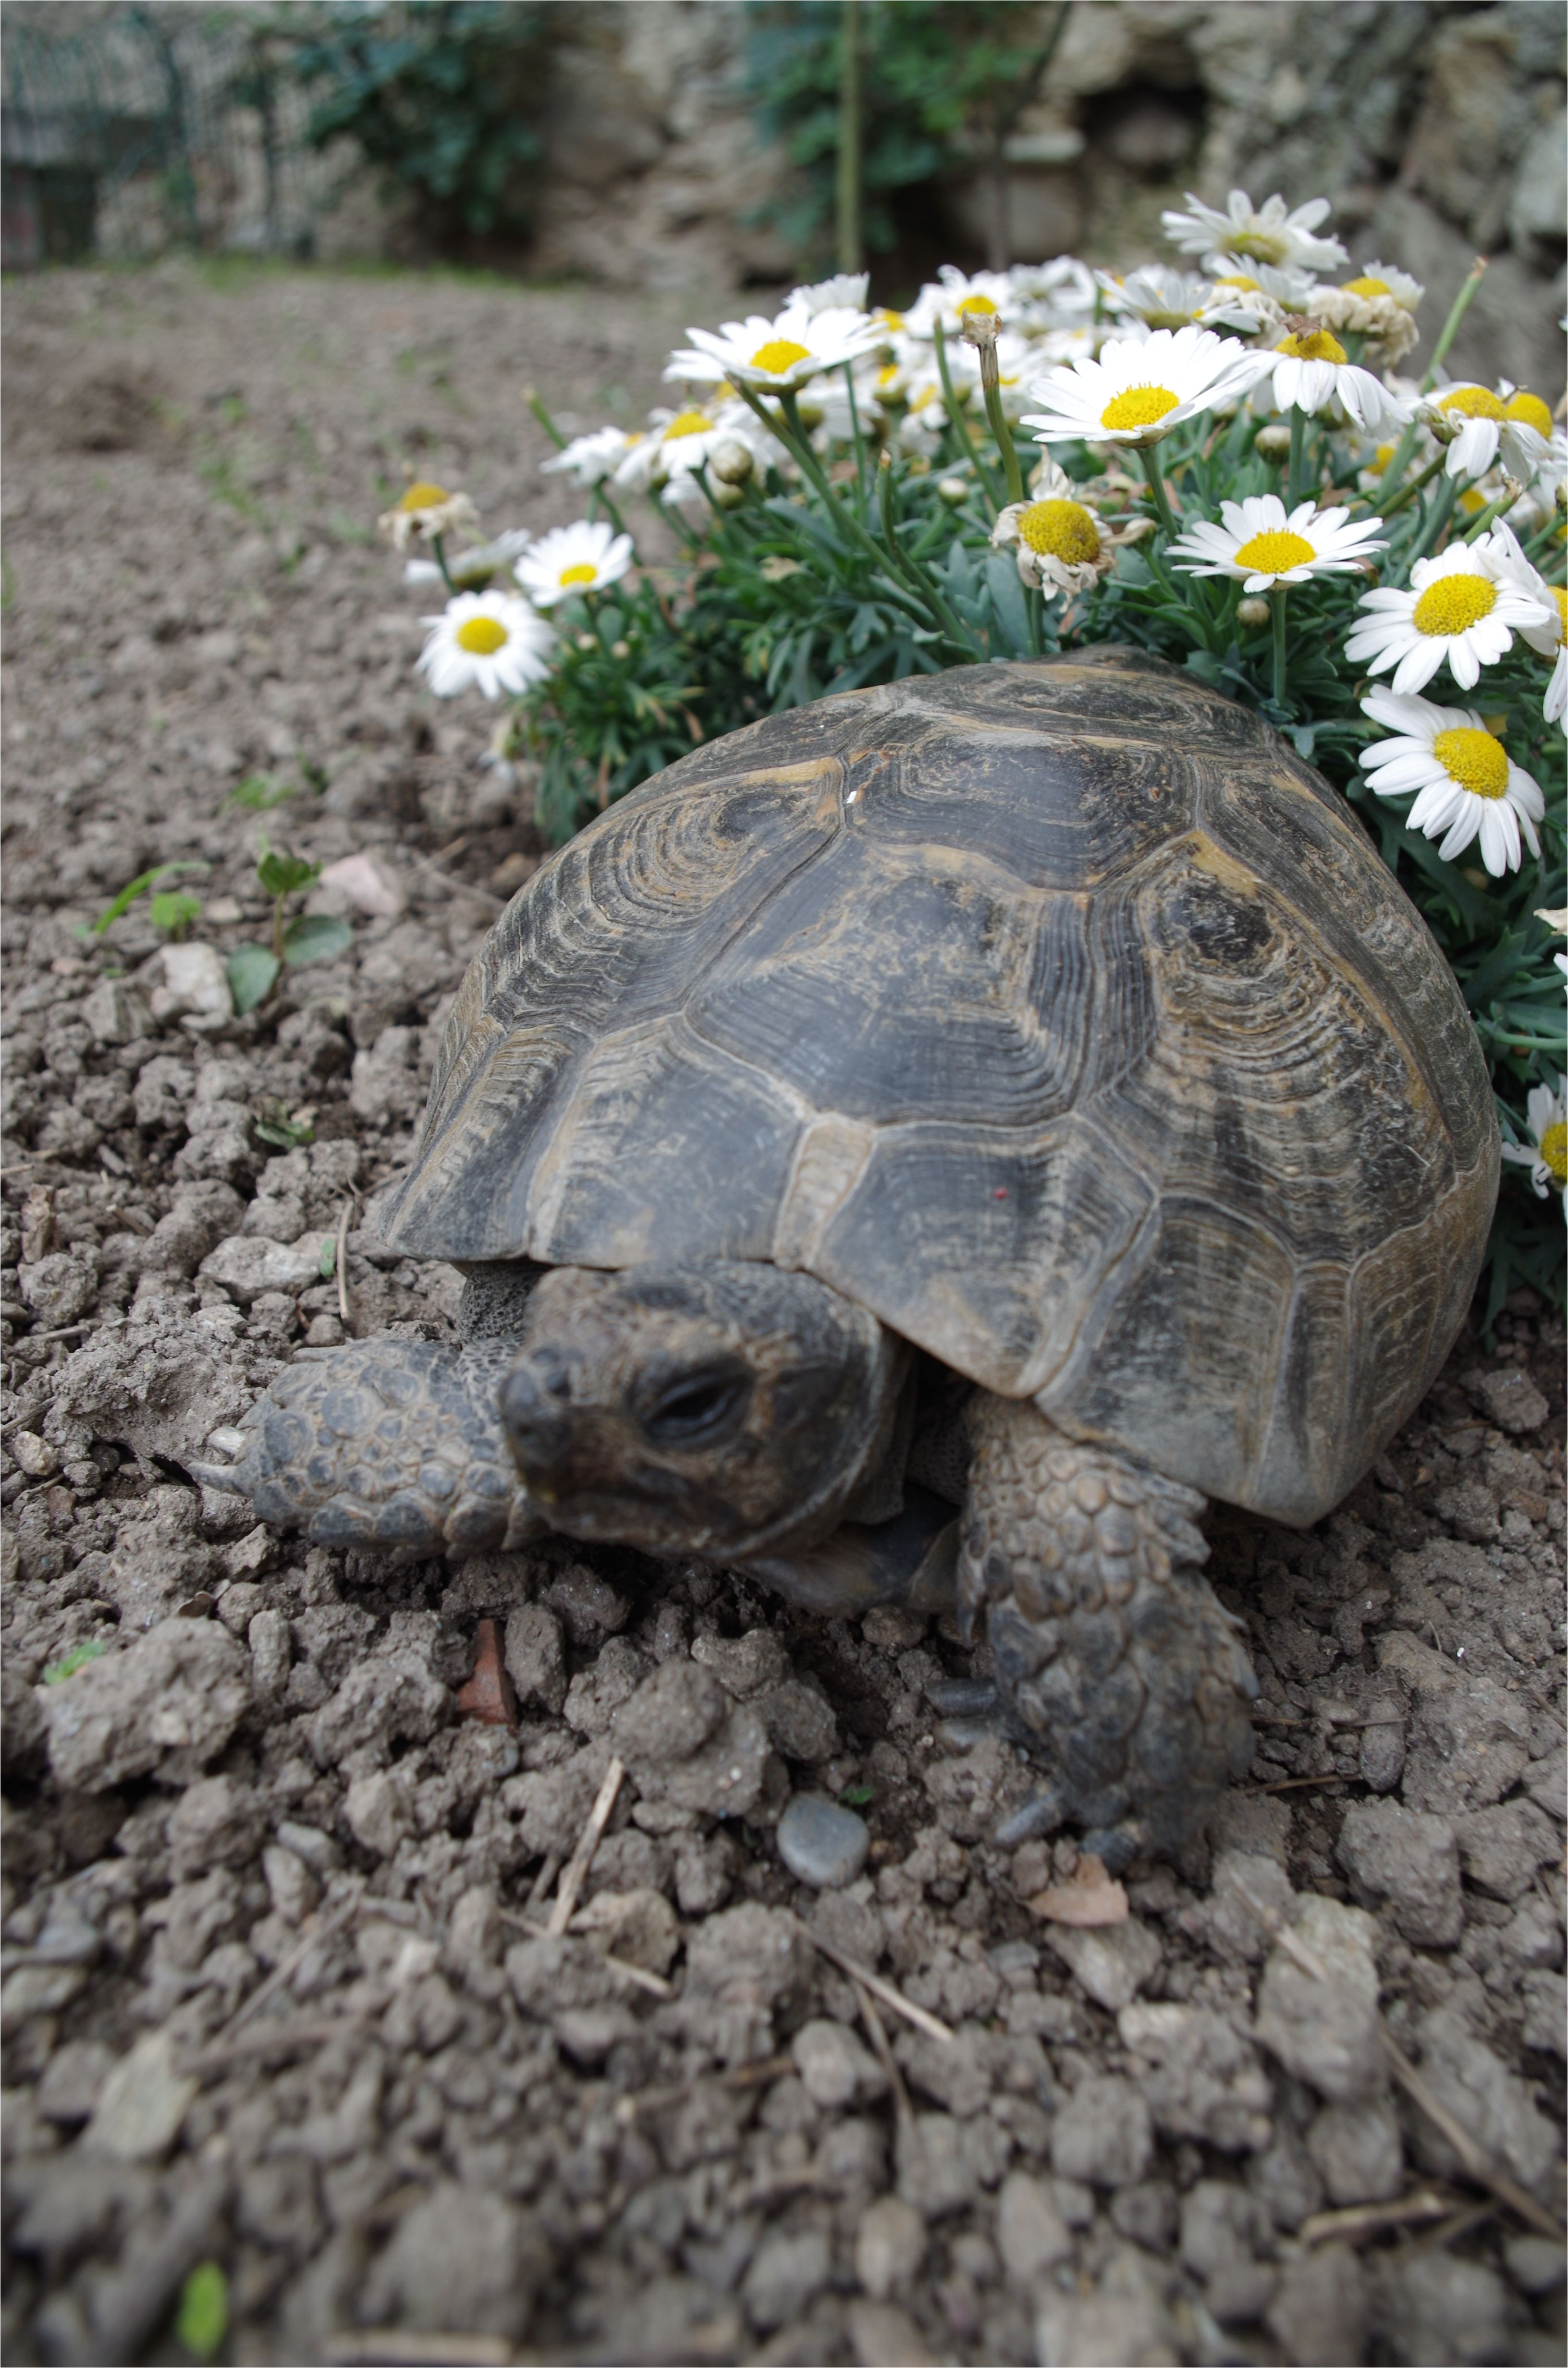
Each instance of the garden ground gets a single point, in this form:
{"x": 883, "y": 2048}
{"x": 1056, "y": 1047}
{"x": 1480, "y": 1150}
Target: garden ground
{"x": 274, "y": 1991}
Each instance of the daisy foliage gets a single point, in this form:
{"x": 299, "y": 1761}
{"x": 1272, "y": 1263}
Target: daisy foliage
{"x": 1212, "y": 461}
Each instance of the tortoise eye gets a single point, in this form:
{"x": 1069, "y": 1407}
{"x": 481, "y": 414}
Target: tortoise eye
{"x": 699, "y": 1408}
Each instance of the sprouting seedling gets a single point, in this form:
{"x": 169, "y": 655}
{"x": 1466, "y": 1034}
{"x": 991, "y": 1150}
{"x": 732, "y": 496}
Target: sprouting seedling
{"x": 259, "y": 793}
{"x": 309, "y": 937}
{"x": 76, "y": 1659}
{"x": 171, "y": 911}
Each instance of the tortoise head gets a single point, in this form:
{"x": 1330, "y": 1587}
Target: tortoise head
{"x": 724, "y": 1408}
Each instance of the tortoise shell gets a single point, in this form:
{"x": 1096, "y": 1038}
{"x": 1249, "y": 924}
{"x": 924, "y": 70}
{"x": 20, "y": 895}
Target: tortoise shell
{"x": 1054, "y": 1012}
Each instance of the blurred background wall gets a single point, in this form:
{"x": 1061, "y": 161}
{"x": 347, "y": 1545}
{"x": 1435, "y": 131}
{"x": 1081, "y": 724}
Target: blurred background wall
{"x": 695, "y": 142}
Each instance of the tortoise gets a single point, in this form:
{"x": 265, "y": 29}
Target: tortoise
{"x": 1021, "y": 1088}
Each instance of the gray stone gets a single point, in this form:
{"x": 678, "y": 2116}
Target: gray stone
{"x": 1494, "y": 2105}
{"x": 1408, "y": 1860}
{"x": 196, "y": 985}
{"x": 1205, "y": 2080}
{"x": 1357, "y": 2152}
{"x": 1147, "y": 2214}
{"x": 1501, "y": 1848}
{"x": 956, "y": 2073}
{"x": 1319, "y": 2307}
{"x": 823, "y": 1844}
{"x": 1327, "y": 2030}
{"x": 671, "y": 1715}
{"x": 799, "y": 1723}
{"x": 1235, "y": 1929}
{"x": 1031, "y": 2235}
{"x": 1223, "y": 2227}
{"x": 890, "y": 2246}
{"x": 745, "y": 1665}
{"x": 750, "y": 1956}
{"x": 166, "y": 1703}
{"x": 379, "y": 1812}
{"x": 463, "y": 2261}
{"x": 1506, "y": 1393}
{"x": 143, "y": 2102}
{"x": 536, "y": 1656}
{"x": 1535, "y": 2263}
{"x": 74, "y": 2081}
{"x": 59, "y": 1287}
{"x": 882, "y": 2336}
{"x": 270, "y": 1647}
{"x": 1437, "y": 2309}
{"x": 1284, "y": 2179}
{"x": 1382, "y": 1753}
{"x": 787, "y": 2273}
{"x": 1103, "y": 2134}
{"x": 292, "y": 1886}
{"x": 1111, "y": 1962}
{"x": 1101, "y": 2331}
{"x": 247, "y": 1265}
{"x": 637, "y": 1926}
{"x": 1546, "y": 1781}
{"x": 836, "y": 2070}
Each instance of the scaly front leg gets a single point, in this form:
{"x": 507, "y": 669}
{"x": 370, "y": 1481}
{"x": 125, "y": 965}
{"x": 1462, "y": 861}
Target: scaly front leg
{"x": 1112, "y": 1651}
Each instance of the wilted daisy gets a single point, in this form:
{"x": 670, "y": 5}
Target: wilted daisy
{"x": 586, "y": 557}
{"x": 1546, "y": 1154}
{"x": 781, "y": 353}
{"x": 1379, "y": 304}
{"x": 1259, "y": 546}
{"x": 1137, "y": 391}
{"x": 1272, "y": 234}
{"x": 470, "y": 571}
{"x": 1060, "y": 541}
{"x": 1484, "y": 421}
{"x": 1466, "y": 785}
{"x": 489, "y": 641}
{"x": 590, "y": 459}
{"x": 1310, "y": 369}
{"x": 424, "y": 512}
{"x": 1461, "y": 607}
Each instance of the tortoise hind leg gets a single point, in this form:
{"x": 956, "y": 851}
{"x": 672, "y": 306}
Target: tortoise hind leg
{"x": 389, "y": 1442}
{"x": 1112, "y": 1650}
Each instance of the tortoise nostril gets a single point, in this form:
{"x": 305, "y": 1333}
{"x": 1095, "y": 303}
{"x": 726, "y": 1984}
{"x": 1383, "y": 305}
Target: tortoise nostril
{"x": 535, "y": 1425}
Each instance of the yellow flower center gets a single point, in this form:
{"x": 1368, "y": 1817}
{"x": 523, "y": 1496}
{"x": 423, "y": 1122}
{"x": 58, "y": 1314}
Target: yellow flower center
{"x": 482, "y": 636}
{"x": 686, "y": 423}
{"x": 1554, "y": 1152}
{"x": 1364, "y": 287}
{"x": 424, "y": 497}
{"x": 1239, "y": 280}
{"x": 1264, "y": 247}
{"x": 1382, "y": 458}
{"x": 1318, "y": 346}
{"x": 1529, "y": 410}
{"x": 886, "y": 376}
{"x": 1472, "y": 403}
{"x": 889, "y": 320}
{"x": 1271, "y": 554}
{"x": 1474, "y": 759}
{"x": 1561, "y": 596}
{"x": 583, "y": 572}
{"x": 779, "y": 355}
{"x": 977, "y": 304}
{"x": 1063, "y": 530}
{"x": 1138, "y": 406}
{"x": 1453, "y": 604}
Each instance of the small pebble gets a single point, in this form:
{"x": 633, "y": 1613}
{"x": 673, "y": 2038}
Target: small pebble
{"x": 823, "y": 1844}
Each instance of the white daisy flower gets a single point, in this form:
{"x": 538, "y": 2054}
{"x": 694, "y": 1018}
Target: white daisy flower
{"x": 1459, "y": 607}
{"x": 1284, "y": 284}
{"x": 590, "y": 459}
{"x": 1137, "y": 391}
{"x": 424, "y": 512}
{"x": 677, "y": 444}
{"x": 846, "y": 291}
{"x": 1160, "y": 296}
{"x": 953, "y": 293}
{"x": 490, "y": 641}
{"x": 1484, "y": 421}
{"x": 781, "y": 353}
{"x": 1060, "y": 541}
{"x": 470, "y": 571}
{"x": 1270, "y": 235}
{"x": 1467, "y": 785}
{"x": 1548, "y": 638}
{"x": 1310, "y": 369}
{"x": 586, "y": 557}
{"x": 1059, "y": 294}
{"x": 1546, "y": 1154}
{"x": 1259, "y": 546}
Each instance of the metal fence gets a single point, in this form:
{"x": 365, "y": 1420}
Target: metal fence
{"x": 125, "y": 130}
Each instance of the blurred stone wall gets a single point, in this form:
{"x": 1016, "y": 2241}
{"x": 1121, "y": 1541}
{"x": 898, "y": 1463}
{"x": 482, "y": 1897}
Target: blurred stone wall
{"x": 1437, "y": 128}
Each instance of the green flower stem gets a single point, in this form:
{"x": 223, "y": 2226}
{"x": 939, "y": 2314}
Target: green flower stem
{"x": 961, "y": 424}
{"x": 1457, "y": 312}
{"x": 1298, "y": 445}
{"x": 600, "y": 499}
{"x": 1437, "y": 518}
{"x": 859, "y": 439}
{"x": 1409, "y": 493}
{"x": 920, "y": 577}
{"x": 1277, "y": 599}
{"x": 1160, "y": 498}
{"x": 535, "y": 405}
{"x": 1005, "y": 445}
{"x": 1034, "y": 608}
{"x": 436, "y": 545}
{"x": 1499, "y": 508}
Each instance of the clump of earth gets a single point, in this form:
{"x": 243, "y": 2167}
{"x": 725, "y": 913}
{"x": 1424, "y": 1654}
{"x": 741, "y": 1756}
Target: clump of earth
{"x": 285, "y": 1828}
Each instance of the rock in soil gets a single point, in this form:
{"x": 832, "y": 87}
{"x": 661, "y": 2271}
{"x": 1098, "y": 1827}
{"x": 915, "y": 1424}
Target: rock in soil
{"x": 236, "y": 1764}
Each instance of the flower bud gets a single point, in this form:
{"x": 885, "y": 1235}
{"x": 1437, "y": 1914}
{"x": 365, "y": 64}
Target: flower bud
{"x": 952, "y": 490}
{"x": 730, "y": 461}
{"x": 726, "y": 498}
{"x": 585, "y": 642}
{"x": 620, "y": 652}
{"x": 1253, "y": 610}
{"x": 1273, "y": 441}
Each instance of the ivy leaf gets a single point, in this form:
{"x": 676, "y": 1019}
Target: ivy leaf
{"x": 252, "y": 970}
{"x": 315, "y": 937}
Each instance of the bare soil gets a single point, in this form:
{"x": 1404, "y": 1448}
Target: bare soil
{"x": 273, "y": 1994}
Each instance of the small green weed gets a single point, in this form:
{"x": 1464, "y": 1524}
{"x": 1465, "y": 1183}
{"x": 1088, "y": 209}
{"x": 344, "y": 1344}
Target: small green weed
{"x": 76, "y": 1659}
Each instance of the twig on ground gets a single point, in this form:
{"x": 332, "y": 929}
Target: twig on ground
{"x": 340, "y": 1262}
{"x": 1357, "y": 2222}
{"x": 740, "y": 2076}
{"x": 291, "y": 2038}
{"x": 1294, "y": 1783}
{"x": 461, "y": 887}
{"x": 654, "y": 1984}
{"x": 876, "y": 2031}
{"x": 931, "y": 2025}
{"x": 582, "y": 1857}
{"x": 542, "y": 1881}
{"x": 319, "y": 1929}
